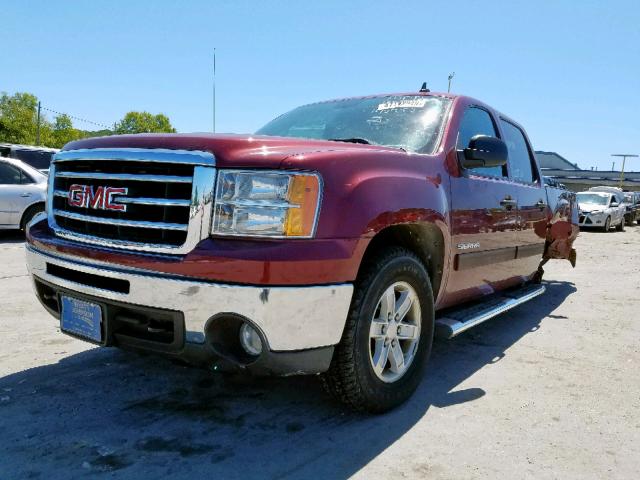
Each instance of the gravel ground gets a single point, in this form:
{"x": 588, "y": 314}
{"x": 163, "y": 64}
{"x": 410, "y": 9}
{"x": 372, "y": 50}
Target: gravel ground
{"x": 548, "y": 390}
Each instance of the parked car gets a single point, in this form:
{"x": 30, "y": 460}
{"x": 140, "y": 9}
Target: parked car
{"x": 632, "y": 207}
{"x": 37, "y": 157}
{"x": 601, "y": 209}
{"x": 23, "y": 191}
{"x": 336, "y": 240}
{"x": 552, "y": 182}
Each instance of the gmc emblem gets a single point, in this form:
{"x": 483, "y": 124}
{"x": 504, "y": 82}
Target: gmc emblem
{"x": 100, "y": 198}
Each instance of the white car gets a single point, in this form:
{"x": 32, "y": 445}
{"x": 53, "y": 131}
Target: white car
{"x": 23, "y": 191}
{"x": 600, "y": 209}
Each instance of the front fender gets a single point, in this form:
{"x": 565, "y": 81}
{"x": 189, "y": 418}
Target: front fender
{"x": 366, "y": 202}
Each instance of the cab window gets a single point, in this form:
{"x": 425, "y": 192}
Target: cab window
{"x": 476, "y": 121}
{"x": 520, "y": 159}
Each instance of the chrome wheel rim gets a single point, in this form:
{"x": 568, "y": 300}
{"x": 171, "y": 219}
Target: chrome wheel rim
{"x": 395, "y": 332}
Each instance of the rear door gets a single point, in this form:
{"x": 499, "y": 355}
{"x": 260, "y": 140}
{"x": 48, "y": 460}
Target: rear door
{"x": 533, "y": 212}
{"x": 483, "y": 221}
{"x": 10, "y": 190}
{"x": 547, "y": 216}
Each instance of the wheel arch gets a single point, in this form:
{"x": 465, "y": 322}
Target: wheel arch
{"x": 39, "y": 203}
{"x": 425, "y": 240}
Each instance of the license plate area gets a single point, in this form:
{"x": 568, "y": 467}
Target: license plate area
{"x": 81, "y": 318}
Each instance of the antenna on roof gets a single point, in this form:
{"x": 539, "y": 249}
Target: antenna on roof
{"x": 423, "y": 88}
{"x": 451, "y": 75}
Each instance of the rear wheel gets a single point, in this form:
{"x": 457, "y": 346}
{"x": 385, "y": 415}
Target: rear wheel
{"x": 388, "y": 335}
{"x": 29, "y": 213}
{"x": 620, "y": 227}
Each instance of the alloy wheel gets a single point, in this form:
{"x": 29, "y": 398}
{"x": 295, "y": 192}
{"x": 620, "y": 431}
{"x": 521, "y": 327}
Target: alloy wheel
{"x": 395, "y": 332}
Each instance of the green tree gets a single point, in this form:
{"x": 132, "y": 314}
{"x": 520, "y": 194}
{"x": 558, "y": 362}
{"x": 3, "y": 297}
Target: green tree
{"x": 63, "y": 131}
{"x": 144, "y": 122}
{"x": 18, "y": 114}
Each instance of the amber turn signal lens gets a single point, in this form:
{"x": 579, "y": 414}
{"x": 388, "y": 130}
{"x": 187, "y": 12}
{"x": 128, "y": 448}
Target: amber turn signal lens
{"x": 303, "y": 198}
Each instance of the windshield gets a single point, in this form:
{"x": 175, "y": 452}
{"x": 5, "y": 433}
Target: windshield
{"x": 410, "y": 122}
{"x": 595, "y": 198}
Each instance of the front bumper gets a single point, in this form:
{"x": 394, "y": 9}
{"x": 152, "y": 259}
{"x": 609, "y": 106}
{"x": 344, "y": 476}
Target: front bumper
{"x": 592, "y": 219}
{"x": 290, "y": 320}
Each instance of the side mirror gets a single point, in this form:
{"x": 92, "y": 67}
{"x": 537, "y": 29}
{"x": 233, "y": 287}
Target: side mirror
{"x": 484, "y": 151}
{"x": 614, "y": 204}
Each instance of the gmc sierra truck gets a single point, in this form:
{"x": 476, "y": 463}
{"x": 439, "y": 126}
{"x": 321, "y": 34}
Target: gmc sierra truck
{"x": 337, "y": 240}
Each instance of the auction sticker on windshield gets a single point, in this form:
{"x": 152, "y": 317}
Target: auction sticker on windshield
{"x": 81, "y": 318}
{"x": 413, "y": 103}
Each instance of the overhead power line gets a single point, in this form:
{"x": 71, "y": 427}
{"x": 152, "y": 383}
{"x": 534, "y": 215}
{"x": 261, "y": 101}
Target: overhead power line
{"x": 77, "y": 118}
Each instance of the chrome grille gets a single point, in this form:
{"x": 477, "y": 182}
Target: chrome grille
{"x": 167, "y": 204}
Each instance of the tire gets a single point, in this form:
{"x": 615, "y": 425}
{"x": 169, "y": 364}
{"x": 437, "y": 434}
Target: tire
{"x": 351, "y": 377}
{"x": 607, "y": 225}
{"x": 620, "y": 227}
{"x": 29, "y": 213}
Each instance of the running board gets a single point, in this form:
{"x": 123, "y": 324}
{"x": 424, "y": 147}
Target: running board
{"x": 455, "y": 322}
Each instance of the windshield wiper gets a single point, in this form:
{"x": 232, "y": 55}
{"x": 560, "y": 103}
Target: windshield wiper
{"x": 363, "y": 141}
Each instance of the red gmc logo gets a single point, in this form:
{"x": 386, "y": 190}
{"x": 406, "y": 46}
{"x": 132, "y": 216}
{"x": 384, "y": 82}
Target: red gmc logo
{"x": 100, "y": 198}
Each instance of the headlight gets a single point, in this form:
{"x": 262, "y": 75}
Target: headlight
{"x": 596, "y": 212}
{"x": 266, "y": 203}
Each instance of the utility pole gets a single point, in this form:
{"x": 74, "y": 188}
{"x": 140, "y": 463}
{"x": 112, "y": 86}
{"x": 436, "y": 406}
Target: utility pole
{"x": 624, "y": 159}
{"x": 214, "y": 90}
{"x": 451, "y": 75}
{"x": 38, "y": 126}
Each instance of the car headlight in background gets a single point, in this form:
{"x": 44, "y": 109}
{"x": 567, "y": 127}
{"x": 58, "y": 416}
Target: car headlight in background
{"x": 266, "y": 203}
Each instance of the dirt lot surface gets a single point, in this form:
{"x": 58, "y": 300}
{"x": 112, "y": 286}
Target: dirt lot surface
{"x": 549, "y": 390}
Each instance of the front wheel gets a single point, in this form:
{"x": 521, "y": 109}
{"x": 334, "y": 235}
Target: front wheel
{"x": 388, "y": 335}
{"x": 607, "y": 225}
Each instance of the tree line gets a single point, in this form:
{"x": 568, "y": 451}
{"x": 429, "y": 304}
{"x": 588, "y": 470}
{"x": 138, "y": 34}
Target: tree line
{"x": 19, "y": 123}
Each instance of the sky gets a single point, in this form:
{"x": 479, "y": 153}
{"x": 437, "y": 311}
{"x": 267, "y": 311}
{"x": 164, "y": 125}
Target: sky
{"x": 568, "y": 71}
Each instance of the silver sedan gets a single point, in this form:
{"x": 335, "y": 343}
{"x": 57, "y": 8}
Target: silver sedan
{"x": 23, "y": 191}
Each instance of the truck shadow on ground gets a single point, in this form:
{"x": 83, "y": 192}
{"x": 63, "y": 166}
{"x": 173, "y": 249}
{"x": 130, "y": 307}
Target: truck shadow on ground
{"x": 123, "y": 415}
{"x": 11, "y": 236}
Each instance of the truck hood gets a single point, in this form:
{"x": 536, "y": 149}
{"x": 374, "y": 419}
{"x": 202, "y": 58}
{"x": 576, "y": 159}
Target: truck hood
{"x": 231, "y": 150}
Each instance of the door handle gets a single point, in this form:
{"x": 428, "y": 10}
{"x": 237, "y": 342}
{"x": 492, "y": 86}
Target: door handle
{"x": 25, "y": 194}
{"x": 541, "y": 205}
{"x": 508, "y": 202}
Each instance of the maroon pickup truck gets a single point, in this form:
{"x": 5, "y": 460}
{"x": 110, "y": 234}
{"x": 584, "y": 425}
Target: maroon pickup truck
{"x": 337, "y": 240}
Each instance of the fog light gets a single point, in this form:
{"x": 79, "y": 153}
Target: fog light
{"x": 250, "y": 340}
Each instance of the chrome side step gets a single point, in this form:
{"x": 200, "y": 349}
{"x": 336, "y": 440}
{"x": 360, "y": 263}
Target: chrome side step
{"x": 457, "y": 321}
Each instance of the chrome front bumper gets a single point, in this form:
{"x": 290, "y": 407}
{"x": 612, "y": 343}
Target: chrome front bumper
{"x": 290, "y": 318}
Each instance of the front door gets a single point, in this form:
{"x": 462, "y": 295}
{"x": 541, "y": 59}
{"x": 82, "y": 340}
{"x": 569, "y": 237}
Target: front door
{"x": 484, "y": 222}
{"x": 617, "y": 212}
